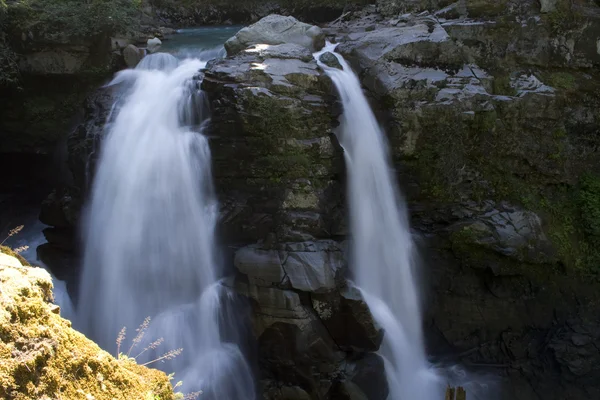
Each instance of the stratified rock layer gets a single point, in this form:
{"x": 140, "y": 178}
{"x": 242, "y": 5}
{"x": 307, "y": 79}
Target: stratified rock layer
{"x": 272, "y": 113}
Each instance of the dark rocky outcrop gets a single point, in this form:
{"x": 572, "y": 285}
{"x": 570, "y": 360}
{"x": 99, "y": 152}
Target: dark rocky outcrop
{"x": 494, "y": 137}
{"x": 491, "y": 113}
{"x": 272, "y": 113}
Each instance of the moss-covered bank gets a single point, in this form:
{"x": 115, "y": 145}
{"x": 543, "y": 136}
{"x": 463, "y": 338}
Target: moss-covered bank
{"x": 42, "y": 357}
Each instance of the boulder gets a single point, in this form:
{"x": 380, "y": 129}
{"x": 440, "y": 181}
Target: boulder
{"x": 348, "y": 320}
{"x": 330, "y": 60}
{"x": 153, "y": 45}
{"x": 42, "y": 357}
{"x": 119, "y": 43}
{"x": 308, "y": 266}
{"x": 263, "y": 267}
{"x": 313, "y": 271}
{"x": 132, "y": 55}
{"x": 277, "y": 29}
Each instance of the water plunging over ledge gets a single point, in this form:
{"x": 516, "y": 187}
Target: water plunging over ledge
{"x": 150, "y": 232}
{"x": 382, "y": 253}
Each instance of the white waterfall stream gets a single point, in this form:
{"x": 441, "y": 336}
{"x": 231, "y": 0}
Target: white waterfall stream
{"x": 382, "y": 250}
{"x": 149, "y": 233}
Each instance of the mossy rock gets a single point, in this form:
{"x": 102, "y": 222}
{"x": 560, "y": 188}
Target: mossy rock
{"x": 42, "y": 357}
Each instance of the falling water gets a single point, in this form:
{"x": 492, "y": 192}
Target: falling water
{"x": 149, "y": 233}
{"x": 382, "y": 253}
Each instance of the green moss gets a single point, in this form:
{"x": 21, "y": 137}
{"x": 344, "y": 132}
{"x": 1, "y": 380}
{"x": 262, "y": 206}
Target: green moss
{"x": 501, "y": 86}
{"x": 279, "y": 156}
{"x": 486, "y": 8}
{"x": 563, "y": 80}
{"x": 480, "y": 157}
{"x": 41, "y": 356}
{"x": 589, "y": 204}
{"x": 564, "y": 18}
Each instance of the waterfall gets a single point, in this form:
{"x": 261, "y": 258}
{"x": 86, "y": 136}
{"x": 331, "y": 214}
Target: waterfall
{"x": 382, "y": 251}
{"x": 149, "y": 233}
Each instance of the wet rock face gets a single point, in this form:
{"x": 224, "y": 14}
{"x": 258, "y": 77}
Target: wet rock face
{"x": 491, "y": 114}
{"x": 330, "y": 60}
{"x": 272, "y": 112}
{"x": 479, "y": 104}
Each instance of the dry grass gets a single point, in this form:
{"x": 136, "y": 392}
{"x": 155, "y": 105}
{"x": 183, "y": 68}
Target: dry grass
{"x": 169, "y": 355}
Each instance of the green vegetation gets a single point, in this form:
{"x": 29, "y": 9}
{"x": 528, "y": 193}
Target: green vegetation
{"x": 60, "y": 19}
{"x": 8, "y": 251}
{"x": 564, "y": 18}
{"x": 563, "y": 80}
{"x": 499, "y": 155}
{"x": 589, "y": 205}
{"x": 279, "y": 157}
{"x": 485, "y": 8}
{"x": 58, "y": 22}
{"x": 501, "y": 86}
{"x": 127, "y": 358}
{"x": 9, "y": 70}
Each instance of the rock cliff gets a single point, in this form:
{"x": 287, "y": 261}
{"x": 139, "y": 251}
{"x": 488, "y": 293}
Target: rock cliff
{"x": 491, "y": 114}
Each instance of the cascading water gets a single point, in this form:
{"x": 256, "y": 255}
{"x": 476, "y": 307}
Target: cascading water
{"x": 382, "y": 250}
{"x": 149, "y": 234}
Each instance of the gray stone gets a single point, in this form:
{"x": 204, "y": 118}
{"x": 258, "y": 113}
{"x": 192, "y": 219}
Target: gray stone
{"x": 263, "y": 267}
{"x": 514, "y": 233}
{"x": 424, "y": 41}
{"x": 313, "y": 271}
{"x": 153, "y": 44}
{"x": 348, "y": 320}
{"x": 274, "y": 30}
{"x": 330, "y": 60}
{"x": 274, "y": 302}
{"x": 285, "y": 51}
{"x": 132, "y": 55}
{"x": 368, "y": 374}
